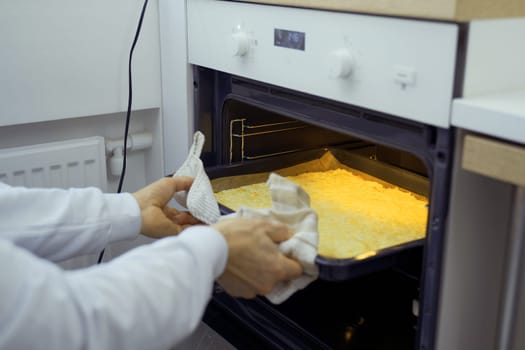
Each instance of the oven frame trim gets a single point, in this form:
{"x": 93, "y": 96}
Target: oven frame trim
{"x": 433, "y": 145}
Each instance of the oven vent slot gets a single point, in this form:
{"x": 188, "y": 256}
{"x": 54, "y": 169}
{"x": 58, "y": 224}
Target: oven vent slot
{"x": 248, "y": 85}
{"x": 314, "y": 101}
{"x": 383, "y": 119}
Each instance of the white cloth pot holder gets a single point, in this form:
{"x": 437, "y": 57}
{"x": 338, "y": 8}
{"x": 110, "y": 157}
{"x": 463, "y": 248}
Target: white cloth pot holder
{"x": 290, "y": 205}
{"x": 199, "y": 200}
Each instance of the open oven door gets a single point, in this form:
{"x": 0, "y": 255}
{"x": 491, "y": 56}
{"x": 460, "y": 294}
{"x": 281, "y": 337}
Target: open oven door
{"x": 357, "y": 303}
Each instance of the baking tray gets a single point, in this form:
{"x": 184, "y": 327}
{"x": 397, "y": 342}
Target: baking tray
{"x": 360, "y": 159}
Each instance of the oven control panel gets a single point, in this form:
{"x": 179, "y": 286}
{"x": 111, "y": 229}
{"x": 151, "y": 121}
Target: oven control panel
{"x": 402, "y": 67}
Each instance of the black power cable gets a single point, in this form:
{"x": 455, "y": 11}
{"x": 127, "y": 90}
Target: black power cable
{"x": 128, "y": 114}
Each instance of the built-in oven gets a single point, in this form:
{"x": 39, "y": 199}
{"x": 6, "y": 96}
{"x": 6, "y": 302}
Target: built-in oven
{"x": 275, "y": 87}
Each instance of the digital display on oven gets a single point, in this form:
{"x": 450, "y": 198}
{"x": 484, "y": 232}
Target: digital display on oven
{"x": 289, "y": 39}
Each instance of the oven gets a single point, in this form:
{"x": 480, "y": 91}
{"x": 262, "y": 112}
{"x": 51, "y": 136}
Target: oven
{"x": 277, "y": 86}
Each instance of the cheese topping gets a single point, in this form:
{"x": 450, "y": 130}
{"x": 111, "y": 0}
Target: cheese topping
{"x": 356, "y": 215}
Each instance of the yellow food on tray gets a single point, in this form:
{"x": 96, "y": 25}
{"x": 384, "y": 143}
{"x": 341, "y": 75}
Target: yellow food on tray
{"x": 357, "y": 216}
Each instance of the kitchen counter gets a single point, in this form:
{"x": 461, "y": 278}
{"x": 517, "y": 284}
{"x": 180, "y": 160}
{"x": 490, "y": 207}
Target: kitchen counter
{"x": 500, "y": 115}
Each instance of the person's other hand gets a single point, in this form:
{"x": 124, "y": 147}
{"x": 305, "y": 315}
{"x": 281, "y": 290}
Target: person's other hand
{"x": 158, "y": 219}
{"x": 255, "y": 264}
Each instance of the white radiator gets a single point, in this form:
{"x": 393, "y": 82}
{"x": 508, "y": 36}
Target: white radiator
{"x": 65, "y": 164}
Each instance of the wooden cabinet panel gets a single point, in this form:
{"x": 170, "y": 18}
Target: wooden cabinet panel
{"x": 459, "y": 10}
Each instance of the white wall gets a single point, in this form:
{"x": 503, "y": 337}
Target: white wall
{"x": 495, "y": 56}
{"x": 142, "y": 167}
{"x": 177, "y": 83}
{"x": 68, "y": 58}
{"x": 108, "y": 126}
{"x": 474, "y": 259}
{"x": 63, "y": 75}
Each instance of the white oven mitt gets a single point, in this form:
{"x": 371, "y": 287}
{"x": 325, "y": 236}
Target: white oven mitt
{"x": 291, "y": 205}
{"x": 199, "y": 200}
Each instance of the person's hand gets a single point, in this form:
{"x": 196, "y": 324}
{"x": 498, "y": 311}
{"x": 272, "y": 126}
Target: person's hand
{"x": 255, "y": 264}
{"x": 158, "y": 219}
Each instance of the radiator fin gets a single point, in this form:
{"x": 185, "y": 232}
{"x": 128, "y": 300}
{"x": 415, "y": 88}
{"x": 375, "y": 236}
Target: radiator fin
{"x": 65, "y": 164}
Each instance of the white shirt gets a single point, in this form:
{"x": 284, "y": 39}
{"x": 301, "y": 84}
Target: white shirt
{"x": 149, "y": 298}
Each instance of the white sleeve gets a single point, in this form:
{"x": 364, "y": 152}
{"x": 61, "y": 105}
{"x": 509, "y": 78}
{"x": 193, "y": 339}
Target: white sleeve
{"x": 59, "y": 224}
{"x": 149, "y": 298}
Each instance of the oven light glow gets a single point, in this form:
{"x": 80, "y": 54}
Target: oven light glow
{"x": 366, "y": 255}
{"x": 350, "y": 331}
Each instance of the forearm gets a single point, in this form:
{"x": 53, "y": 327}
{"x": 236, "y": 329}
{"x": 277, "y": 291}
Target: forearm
{"x": 58, "y": 224}
{"x": 149, "y": 298}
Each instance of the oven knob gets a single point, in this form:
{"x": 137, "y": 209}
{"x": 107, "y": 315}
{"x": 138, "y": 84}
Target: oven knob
{"x": 242, "y": 43}
{"x": 341, "y": 64}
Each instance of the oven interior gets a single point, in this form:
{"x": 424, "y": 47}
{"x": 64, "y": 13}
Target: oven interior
{"x": 367, "y": 304}
{"x": 251, "y": 133}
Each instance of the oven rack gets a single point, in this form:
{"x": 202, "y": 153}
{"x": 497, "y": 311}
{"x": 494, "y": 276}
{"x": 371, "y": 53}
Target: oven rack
{"x": 242, "y": 131}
